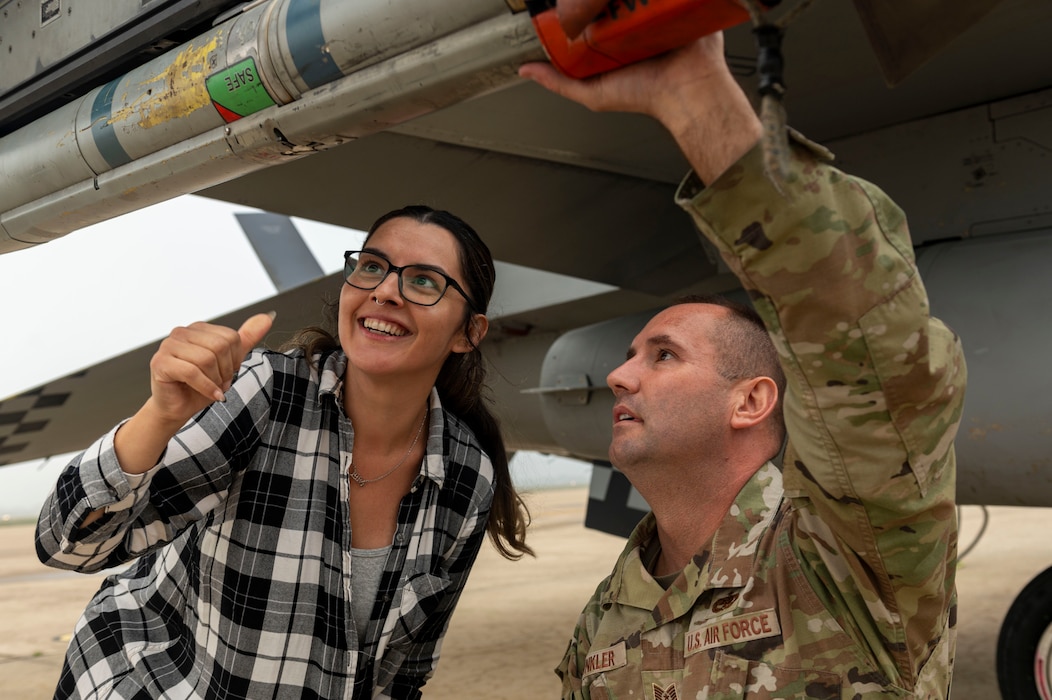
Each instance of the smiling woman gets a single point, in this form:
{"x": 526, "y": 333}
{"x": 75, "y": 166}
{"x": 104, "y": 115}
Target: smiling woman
{"x": 342, "y": 487}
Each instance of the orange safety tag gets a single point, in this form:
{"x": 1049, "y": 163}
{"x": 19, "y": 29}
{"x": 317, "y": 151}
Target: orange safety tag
{"x": 633, "y": 30}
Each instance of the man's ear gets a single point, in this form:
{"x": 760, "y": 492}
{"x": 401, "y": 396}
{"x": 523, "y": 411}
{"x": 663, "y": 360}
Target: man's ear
{"x": 755, "y": 400}
{"x": 478, "y": 326}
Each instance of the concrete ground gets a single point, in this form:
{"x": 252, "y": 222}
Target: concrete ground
{"x": 514, "y": 619}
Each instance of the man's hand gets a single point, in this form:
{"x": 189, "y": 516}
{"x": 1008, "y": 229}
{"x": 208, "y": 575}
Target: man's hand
{"x": 653, "y": 87}
{"x": 690, "y": 91}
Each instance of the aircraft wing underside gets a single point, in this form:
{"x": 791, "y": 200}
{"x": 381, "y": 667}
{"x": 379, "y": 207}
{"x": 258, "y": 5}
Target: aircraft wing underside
{"x": 962, "y": 145}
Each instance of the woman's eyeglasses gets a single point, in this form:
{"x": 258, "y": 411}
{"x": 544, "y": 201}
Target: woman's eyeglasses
{"x": 418, "y": 284}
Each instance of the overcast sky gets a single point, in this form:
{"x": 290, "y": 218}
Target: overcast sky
{"x": 115, "y": 286}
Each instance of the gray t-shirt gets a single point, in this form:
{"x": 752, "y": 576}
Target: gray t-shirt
{"x": 366, "y": 569}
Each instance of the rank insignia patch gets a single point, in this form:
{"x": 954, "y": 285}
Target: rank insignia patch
{"x": 666, "y": 693}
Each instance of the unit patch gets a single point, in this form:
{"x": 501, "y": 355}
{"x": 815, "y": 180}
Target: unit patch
{"x": 722, "y": 604}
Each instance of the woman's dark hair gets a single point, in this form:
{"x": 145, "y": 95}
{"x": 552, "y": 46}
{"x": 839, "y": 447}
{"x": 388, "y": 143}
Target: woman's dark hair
{"x": 461, "y": 381}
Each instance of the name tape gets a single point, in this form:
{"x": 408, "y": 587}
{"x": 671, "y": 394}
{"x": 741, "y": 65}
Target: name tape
{"x": 605, "y": 659}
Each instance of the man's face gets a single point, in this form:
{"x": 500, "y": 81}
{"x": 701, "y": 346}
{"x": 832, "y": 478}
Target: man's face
{"x": 670, "y": 404}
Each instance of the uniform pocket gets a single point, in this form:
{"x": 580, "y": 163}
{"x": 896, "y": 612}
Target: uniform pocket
{"x": 734, "y": 677}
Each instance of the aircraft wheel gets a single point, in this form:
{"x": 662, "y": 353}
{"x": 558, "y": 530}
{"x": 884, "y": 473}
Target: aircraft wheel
{"x": 1024, "y": 646}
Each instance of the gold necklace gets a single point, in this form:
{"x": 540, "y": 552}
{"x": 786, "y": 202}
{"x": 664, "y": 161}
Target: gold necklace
{"x": 358, "y": 479}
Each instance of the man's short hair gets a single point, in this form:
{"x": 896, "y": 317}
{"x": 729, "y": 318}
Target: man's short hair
{"x": 745, "y": 348}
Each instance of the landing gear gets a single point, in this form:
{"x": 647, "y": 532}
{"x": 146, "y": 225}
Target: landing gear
{"x": 1024, "y": 647}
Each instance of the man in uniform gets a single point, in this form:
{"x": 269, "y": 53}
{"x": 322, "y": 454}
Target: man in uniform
{"x": 834, "y": 577}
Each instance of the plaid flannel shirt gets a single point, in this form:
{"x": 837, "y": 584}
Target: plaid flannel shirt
{"x": 241, "y": 542}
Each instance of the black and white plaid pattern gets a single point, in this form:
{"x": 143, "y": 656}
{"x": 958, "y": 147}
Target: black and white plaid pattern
{"x": 242, "y": 546}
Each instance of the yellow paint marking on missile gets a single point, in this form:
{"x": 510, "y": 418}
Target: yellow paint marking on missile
{"x": 176, "y": 92}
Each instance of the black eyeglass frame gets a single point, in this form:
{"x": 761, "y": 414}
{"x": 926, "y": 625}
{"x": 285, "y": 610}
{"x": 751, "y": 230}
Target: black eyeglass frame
{"x": 348, "y": 270}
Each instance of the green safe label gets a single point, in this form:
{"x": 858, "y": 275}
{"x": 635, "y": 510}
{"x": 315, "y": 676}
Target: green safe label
{"x": 238, "y": 91}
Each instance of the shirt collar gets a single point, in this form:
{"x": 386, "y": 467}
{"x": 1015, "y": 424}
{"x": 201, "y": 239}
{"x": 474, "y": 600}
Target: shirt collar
{"x": 728, "y": 561}
{"x": 434, "y": 466}
{"x": 330, "y": 383}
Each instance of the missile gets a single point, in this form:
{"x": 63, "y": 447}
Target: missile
{"x": 279, "y": 81}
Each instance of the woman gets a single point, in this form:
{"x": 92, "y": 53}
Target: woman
{"x": 305, "y": 529}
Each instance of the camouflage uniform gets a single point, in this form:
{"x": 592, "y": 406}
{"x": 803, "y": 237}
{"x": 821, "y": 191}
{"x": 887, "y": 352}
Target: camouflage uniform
{"x": 839, "y": 583}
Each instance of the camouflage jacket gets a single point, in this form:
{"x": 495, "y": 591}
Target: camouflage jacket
{"x": 839, "y": 583}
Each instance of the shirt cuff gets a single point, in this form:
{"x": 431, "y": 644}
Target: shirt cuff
{"x": 746, "y": 169}
{"x": 108, "y": 486}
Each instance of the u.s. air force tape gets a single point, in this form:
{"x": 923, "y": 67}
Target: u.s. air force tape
{"x": 732, "y": 630}
{"x": 717, "y": 633}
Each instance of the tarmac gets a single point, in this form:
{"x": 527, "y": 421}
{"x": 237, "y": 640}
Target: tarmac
{"x": 515, "y": 618}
